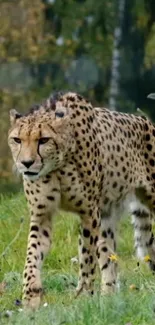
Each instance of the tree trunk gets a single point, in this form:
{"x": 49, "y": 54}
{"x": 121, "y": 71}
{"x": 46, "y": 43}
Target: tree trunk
{"x": 116, "y": 57}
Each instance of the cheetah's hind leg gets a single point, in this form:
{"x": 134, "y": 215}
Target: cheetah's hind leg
{"x": 106, "y": 252}
{"x": 143, "y": 234}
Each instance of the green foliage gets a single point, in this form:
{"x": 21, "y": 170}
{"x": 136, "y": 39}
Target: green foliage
{"x": 150, "y": 49}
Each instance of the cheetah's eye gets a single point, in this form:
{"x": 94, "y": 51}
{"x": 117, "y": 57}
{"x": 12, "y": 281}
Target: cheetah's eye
{"x": 17, "y": 140}
{"x": 43, "y": 140}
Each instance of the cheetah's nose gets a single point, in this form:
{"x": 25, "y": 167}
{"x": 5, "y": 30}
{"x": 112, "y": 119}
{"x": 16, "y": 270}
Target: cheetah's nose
{"x": 27, "y": 163}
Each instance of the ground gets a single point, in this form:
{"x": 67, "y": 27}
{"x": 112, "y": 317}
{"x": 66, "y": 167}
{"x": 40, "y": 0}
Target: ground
{"x": 128, "y": 306}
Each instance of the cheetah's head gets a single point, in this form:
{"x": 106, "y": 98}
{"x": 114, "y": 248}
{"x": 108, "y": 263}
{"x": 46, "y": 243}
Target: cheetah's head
{"x": 40, "y": 141}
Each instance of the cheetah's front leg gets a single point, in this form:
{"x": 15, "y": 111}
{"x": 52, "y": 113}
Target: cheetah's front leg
{"x": 87, "y": 252}
{"x": 43, "y": 201}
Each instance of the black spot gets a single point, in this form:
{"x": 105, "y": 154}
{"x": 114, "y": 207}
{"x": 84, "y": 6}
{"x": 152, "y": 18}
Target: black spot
{"x": 151, "y": 162}
{"x": 34, "y": 228}
{"x": 34, "y": 245}
{"x": 148, "y": 137}
{"x": 41, "y": 206}
{"x": 37, "y": 290}
{"x": 83, "y": 274}
{"x": 94, "y": 183}
{"x": 109, "y": 284}
{"x": 84, "y": 250}
{"x": 104, "y": 249}
{"x": 151, "y": 240}
{"x": 112, "y": 235}
{"x": 100, "y": 167}
{"x": 51, "y": 198}
{"x": 72, "y": 198}
{"x": 86, "y": 233}
{"x": 91, "y": 240}
{"x": 104, "y": 234}
{"x": 33, "y": 236}
{"x": 114, "y": 185}
{"x": 104, "y": 266}
{"x": 45, "y": 233}
{"x": 82, "y": 212}
{"x": 92, "y": 271}
{"x": 96, "y": 239}
{"x": 45, "y": 182}
{"x": 94, "y": 224}
{"x": 62, "y": 172}
{"x": 78, "y": 204}
{"x": 70, "y": 174}
{"x": 149, "y": 147}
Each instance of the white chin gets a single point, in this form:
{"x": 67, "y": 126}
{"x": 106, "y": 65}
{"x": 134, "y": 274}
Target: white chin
{"x": 34, "y": 176}
{"x": 31, "y": 177}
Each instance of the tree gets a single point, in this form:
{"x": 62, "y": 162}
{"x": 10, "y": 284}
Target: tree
{"x": 116, "y": 57}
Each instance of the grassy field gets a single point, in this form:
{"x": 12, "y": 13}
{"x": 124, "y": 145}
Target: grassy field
{"x": 136, "y": 306}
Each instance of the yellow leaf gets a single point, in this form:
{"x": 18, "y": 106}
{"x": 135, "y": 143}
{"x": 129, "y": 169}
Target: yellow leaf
{"x": 133, "y": 287}
{"x": 147, "y": 258}
{"x": 113, "y": 258}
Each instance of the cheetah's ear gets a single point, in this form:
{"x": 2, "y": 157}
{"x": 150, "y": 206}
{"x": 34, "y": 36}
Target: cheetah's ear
{"x": 61, "y": 111}
{"x": 62, "y": 121}
{"x": 151, "y": 96}
{"x": 14, "y": 115}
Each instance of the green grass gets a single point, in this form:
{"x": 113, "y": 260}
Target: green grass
{"x": 136, "y": 307}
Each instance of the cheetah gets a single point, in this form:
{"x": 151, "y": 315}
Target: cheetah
{"x": 92, "y": 162}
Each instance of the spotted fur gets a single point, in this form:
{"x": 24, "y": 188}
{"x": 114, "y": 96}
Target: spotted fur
{"x": 90, "y": 161}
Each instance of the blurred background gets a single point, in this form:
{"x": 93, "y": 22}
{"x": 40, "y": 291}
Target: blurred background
{"x": 102, "y": 49}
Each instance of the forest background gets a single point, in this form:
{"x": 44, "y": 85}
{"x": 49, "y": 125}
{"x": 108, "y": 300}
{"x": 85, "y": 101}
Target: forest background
{"x": 102, "y": 49}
